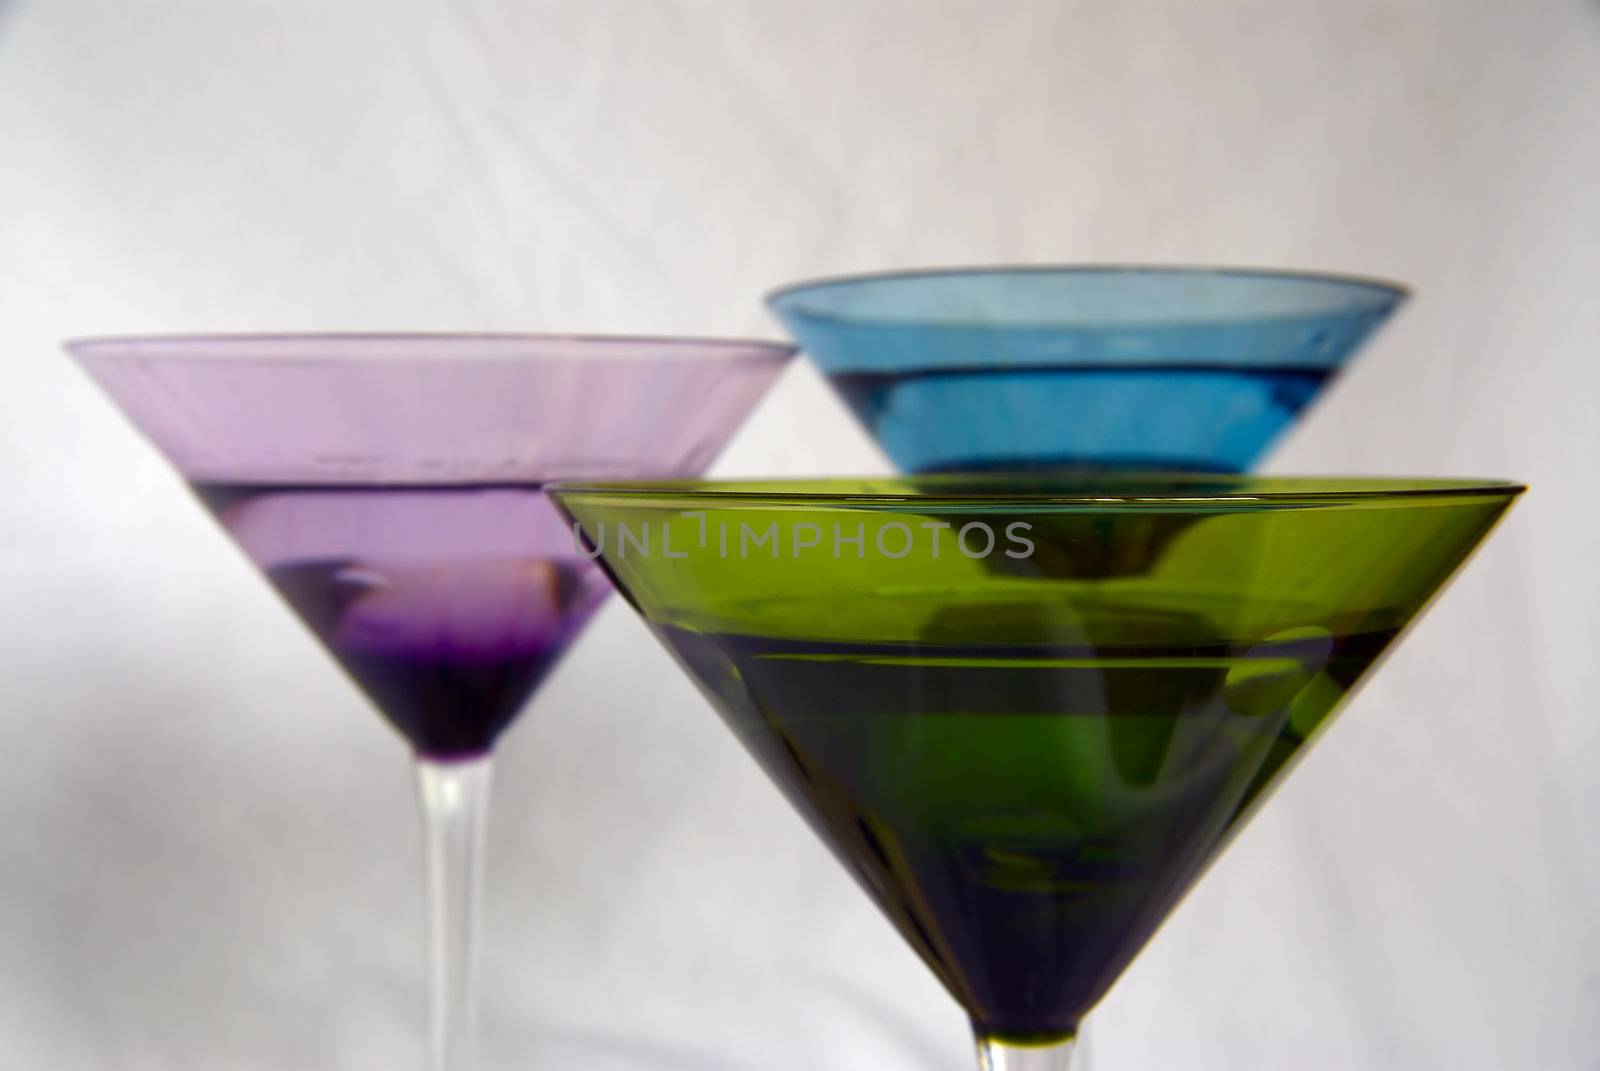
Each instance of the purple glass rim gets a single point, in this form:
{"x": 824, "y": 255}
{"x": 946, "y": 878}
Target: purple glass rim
{"x": 422, "y": 345}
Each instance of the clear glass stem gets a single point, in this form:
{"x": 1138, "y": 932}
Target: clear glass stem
{"x": 997, "y": 1055}
{"x": 455, "y": 798}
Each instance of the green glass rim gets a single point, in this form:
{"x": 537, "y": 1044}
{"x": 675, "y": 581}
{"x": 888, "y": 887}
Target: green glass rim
{"x": 1079, "y": 490}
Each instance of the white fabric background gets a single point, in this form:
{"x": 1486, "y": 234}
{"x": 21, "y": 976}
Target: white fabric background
{"x": 208, "y": 857}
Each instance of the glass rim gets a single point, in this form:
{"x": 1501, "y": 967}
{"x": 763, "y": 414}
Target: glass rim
{"x": 1394, "y": 290}
{"x": 1096, "y": 489}
{"x": 336, "y": 346}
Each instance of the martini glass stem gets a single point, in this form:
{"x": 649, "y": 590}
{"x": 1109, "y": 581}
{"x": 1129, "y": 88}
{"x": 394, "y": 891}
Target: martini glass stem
{"x": 997, "y": 1055}
{"x": 454, "y": 796}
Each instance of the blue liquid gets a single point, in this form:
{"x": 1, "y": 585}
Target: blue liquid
{"x": 1203, "y": 418}
{"x": 980, "y": 369}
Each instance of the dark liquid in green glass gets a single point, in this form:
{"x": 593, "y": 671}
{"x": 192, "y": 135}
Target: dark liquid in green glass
{"x": 1026, "y": 816}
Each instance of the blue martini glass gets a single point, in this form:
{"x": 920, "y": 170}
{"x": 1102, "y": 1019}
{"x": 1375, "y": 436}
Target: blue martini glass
{"x": 1030, "y": 368}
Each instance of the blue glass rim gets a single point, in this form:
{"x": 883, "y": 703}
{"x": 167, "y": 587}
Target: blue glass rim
{"x": 819, "y": 298}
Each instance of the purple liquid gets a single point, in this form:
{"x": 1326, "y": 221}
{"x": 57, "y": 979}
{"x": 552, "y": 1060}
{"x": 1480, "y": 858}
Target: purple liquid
{"x": 446, "y": 604}
{"x": 389, "y": 485}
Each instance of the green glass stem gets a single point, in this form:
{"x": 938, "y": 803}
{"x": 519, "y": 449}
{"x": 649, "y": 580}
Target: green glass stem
{"x": 997, "y": 1055}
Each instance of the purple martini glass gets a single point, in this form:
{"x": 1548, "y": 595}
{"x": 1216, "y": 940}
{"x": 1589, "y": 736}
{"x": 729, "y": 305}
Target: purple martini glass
{"x": 391, "y": 489}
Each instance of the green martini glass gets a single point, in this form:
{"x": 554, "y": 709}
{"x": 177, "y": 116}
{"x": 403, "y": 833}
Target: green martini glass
{"x": 1027, "y": 765}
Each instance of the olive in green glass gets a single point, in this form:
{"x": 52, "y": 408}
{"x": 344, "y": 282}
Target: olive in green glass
{"x": 1026, "y": 712}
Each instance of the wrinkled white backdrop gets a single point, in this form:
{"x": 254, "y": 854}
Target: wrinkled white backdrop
{"x": 208, "y": 857}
